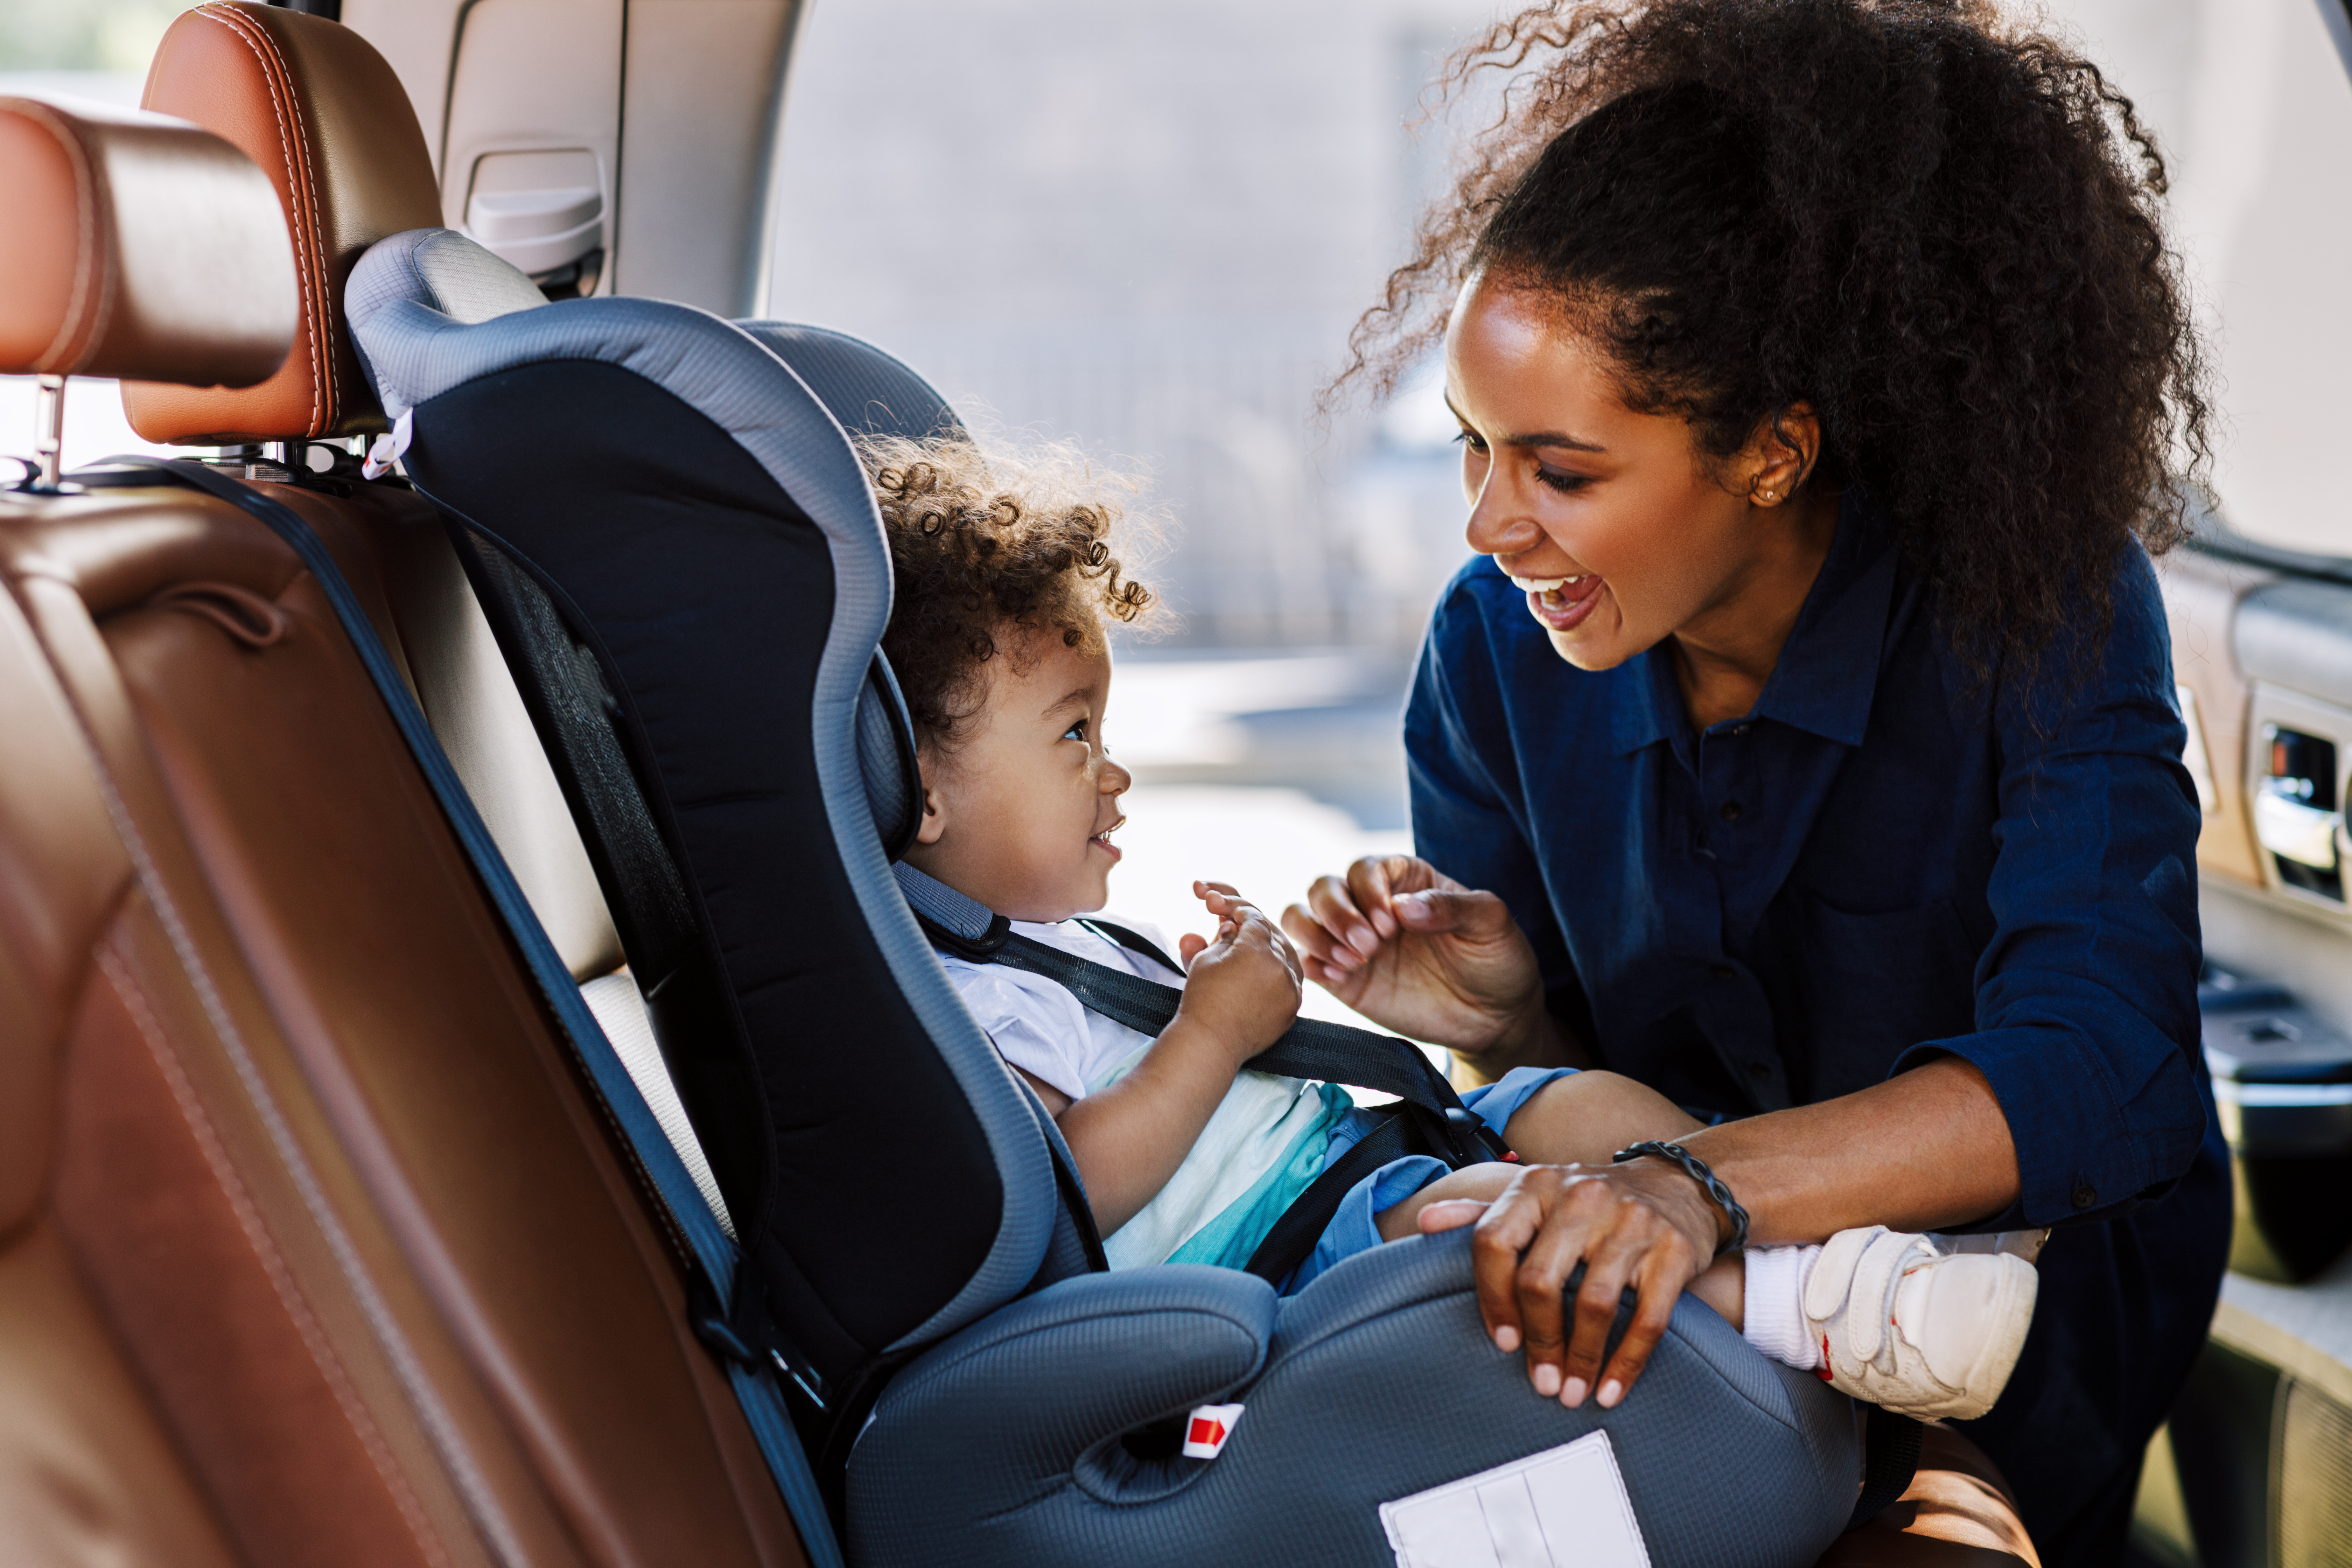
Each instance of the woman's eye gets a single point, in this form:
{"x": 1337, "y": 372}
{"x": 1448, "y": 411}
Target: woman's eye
{"x": 1470, "y": 439}
{"x": 1561, "y": 479}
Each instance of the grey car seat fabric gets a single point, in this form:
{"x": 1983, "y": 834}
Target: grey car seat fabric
{"x": 676, "y": 544}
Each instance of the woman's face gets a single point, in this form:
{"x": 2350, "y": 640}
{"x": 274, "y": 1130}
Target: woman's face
{"x": 1620, "y": 531}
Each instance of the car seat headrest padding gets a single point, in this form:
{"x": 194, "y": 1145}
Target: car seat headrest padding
{"x": 885, "y": 761}
{"x": 324, "y": 117}
{"x": 942, "y": 905}
{"x": 442, "y": 269}
{"x": 704, "y": 518}
{"x": 136, "y": 245}
{"x": 870, "y": 393}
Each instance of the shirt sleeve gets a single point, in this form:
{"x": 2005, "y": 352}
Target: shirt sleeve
{"x": 1463, "y": 821}
{"x": 2086, "y": 995}
{"x": 1041, "y": 1031}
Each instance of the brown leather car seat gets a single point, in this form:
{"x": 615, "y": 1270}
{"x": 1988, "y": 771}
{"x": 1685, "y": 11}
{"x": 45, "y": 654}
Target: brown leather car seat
{"x": 313, "y": 1248}
{"x": 323, "y": 115}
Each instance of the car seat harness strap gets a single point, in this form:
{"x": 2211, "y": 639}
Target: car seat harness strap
{"x": 1428, "y": 1117}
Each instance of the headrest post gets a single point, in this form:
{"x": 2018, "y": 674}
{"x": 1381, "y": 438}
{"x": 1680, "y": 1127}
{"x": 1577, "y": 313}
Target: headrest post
{"x": 49, "y": 420}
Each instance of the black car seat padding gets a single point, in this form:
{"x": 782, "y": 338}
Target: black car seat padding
{"x": 704, "y": 662}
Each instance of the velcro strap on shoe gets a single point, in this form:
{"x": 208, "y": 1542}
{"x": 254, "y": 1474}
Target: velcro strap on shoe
{"x": 1873, "y": 1280}
{"x": 1826, "y": 1287}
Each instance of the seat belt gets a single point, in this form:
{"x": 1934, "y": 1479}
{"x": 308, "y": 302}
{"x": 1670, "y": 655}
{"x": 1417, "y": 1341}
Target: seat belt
{"x": 1309, "y": 1049}
{"x": 1294, "y": 1234}
{"x": 723, "y": 1292}
{"x": 1890, "y": 1457}
{"x": 1428, "y": 1118}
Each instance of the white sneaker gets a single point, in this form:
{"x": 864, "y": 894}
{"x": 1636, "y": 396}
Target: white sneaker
{"x": 1919, "y": 1330}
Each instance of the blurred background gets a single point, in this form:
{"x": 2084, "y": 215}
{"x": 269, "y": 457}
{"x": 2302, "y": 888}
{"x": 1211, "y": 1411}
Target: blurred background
{"x": 1149, "y": 228}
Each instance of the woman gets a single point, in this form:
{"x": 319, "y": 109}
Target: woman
{"x": 1803, "y": 742}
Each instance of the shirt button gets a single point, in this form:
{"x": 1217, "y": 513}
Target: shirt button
{"x": 1720, "y": 970}
{"x": 2085, "y": 1195}
{"x": 1740, "y": 729}
{"x": 1730, "y": 811}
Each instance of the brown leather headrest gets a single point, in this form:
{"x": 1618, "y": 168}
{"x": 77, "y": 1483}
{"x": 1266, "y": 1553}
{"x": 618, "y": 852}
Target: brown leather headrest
{"x": 137, "y": 246}
{"x": 328, "y": 121}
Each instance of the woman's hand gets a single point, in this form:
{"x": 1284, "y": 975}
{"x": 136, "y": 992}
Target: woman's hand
{"x": 1414, "y": 951}
{"x": 1643, "y": 1224}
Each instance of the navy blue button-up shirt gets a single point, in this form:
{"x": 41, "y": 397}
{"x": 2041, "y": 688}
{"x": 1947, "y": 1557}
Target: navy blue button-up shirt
{"x": 1881, "y": 863}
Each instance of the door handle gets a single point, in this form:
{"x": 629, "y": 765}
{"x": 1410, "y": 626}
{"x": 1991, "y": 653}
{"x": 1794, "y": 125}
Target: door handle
{"x": 2293, "y": 831}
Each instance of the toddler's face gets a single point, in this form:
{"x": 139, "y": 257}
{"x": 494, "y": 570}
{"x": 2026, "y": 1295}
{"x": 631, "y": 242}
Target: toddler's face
{"x": 1020, "y": 815}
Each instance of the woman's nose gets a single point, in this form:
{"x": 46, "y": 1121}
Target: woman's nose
{"x": 1497, "y": 525}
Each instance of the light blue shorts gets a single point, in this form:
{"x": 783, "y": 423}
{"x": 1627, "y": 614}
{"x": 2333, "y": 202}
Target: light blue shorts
{"x": 1352, "y": 1229}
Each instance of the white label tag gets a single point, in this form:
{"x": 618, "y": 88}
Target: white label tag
{"x": 1206, "y": 1429}
{"x": 1564, "y": 1508}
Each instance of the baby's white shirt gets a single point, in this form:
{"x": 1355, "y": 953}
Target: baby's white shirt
{"x": 1041, "y": 1028}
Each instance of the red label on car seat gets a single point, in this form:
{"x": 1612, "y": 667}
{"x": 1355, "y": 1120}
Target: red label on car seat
{"x": 1207, "y": 1429}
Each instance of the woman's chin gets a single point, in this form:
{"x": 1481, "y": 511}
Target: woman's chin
{"x": 1588, "y": 651}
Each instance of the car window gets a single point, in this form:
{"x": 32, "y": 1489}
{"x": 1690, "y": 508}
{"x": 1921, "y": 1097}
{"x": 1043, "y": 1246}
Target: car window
{"x": 2253, "y": 106}
{"x": 1149, "y": 228}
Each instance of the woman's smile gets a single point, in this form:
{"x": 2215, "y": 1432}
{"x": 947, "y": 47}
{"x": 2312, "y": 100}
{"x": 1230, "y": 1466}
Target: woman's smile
{"x": 1562, "y": 604}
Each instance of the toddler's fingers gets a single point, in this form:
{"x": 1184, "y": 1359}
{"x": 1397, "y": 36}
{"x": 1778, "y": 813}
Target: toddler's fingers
{"x": 1289, "y": 956}
{"x": 1191, "y": 945}
{"x": 1451, "y": 1214}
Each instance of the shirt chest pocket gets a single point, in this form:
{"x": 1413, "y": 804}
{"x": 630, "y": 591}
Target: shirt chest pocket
{"x": 1876, "y": 985}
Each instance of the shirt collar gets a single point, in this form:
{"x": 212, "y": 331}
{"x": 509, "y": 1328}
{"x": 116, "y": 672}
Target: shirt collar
{"x": 1828, "y": 670}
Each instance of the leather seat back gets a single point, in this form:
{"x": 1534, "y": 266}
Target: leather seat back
{"x": 91, "y": 1471}
{"x": 313, "y": 1246}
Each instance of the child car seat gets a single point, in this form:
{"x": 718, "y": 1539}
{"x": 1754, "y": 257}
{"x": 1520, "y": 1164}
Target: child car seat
{"x": 684, "y": 565}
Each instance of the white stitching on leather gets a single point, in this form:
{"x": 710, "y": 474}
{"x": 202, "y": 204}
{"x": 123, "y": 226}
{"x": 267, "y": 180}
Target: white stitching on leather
{"x": 473, "y": 1490}
{"x": 306, "y": 252}
{"x": 325, "y": 303}
{"x": 85, "y": 236}
{"x": 116, "y": 961}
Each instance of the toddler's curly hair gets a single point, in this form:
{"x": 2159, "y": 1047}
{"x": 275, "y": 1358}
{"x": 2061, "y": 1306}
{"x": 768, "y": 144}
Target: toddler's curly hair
{"x": 991, "y": 551}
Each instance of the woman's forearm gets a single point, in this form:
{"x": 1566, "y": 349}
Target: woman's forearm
{"x": 1926, "y": 1150}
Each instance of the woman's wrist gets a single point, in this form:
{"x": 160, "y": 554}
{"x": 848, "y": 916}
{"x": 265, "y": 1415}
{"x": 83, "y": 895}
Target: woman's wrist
{"x": 1529, "y": 1038}
{"x": 1729, "y": 1220}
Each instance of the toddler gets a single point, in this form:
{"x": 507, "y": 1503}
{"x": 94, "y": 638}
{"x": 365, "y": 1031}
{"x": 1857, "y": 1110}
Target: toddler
{"x": 1005, "y": 578}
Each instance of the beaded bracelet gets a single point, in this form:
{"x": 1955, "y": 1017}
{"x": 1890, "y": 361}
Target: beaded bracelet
{"x": 1695, "y": 1169}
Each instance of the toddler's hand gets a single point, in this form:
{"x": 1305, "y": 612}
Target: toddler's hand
{"x": 1244, "y": 985}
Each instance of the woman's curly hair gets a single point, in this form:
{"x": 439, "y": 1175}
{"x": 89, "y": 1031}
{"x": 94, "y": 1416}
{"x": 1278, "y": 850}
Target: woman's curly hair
{"x": 1942, "y": 234}
{"x": 989, "y": 551}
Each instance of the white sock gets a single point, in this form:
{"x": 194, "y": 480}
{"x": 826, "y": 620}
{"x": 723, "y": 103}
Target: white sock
{"x": 1774, "y": 1314}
